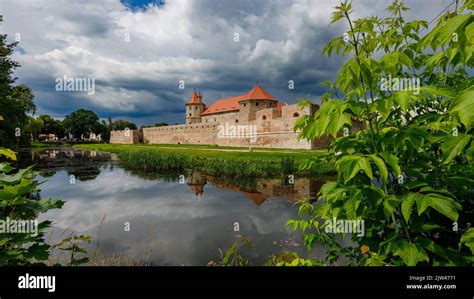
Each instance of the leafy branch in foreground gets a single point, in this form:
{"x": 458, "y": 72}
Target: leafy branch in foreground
{"x": 232, "y": 256}
{"x": 407, "y": 173}
{"x": 20, "y": 204}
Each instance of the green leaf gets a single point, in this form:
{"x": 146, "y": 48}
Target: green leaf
{"x": 463, "y": 104}
{"x": 407, "y": 205}
{"x": 404, "y": 99}
{"x": 8, "y": 153}
{"x": 391, "y": 60}
{"x": 442, "y": 204}
{"x": 410, "y": 253}
{"x": 23, "y": 173}
{"x": 470, "y": 153}
{"x": 432, "y": 246}
{"x": 5, "y": 167}
{"x": 229, "y": 253}
{"x": 392, "y": 161}
{"x": 390, "y": 204}
{"x": 443, "y": 33}
{"x": 381, "y": 166}
{"x": 350, "y": 165}
{"x": 328, "y": 120}
{"x": 80, "y": 261}
{"x": 437, "y": 91}
{"x": 468, "y": 239}
{"x": 352, "y": 204}
{"x": 383, "y": 107}
{"x": 454, "y": 146}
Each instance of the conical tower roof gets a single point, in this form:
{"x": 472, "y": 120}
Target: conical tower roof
{"x": 257, "y": 93}
{"x": 195, "y": 98}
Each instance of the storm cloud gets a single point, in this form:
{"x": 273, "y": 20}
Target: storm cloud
{"x": 138, "y": 55}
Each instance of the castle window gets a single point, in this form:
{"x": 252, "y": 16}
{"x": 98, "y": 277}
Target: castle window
{"x": 256, "y": 104}
{"x": 295, "y": 114}
{"x": 264, "y": 117}
{"x": 189, "y": 114}
{"x": 236, "y": 121}
{"x": 245, "y": 105}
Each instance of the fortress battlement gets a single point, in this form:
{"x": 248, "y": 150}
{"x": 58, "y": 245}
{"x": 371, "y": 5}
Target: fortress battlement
{"x": 254, "y": 119}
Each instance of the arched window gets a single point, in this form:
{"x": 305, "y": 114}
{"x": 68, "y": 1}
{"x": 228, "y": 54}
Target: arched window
{"x": 236, "y": 121}
{"x": 264, "y": 117}
{"x": 189, "y": 114}
{"x": 295, "y": 114}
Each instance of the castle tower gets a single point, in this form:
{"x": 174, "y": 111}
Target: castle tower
{"x": 256, "y": 99}
{"x": 196, "y": 181}
{"x": 194, "y": 108}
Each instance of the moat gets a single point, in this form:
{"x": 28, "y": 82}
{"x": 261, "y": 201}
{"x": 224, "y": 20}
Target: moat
{"x": 165, "y": 218}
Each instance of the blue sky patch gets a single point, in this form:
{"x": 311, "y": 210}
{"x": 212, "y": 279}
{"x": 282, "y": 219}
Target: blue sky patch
{"x": 141, "y": 4}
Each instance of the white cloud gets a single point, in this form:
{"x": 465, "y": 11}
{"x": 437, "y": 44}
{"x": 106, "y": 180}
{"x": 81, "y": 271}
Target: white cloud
{"x": 191, "y": 40}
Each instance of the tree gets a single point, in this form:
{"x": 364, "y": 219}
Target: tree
{"x": 34, "y": 127}
{"x": 15, "y": 101}
{"x": 121, "y": 124}
{"x": 104, "y": 130}
{"x": 52, "y": 126}
{"x": 161, "y": 124}
{"x": 408, "y": 173}
{"x": 81, "y": 123}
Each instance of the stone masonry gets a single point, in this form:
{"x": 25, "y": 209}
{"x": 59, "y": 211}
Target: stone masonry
{"x": 254, "y": 119}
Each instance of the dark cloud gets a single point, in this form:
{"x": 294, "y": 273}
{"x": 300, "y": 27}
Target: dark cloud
{"x": 138, "y": 56}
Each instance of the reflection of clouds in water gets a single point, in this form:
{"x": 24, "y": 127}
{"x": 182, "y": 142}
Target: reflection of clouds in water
{"x": 188, "y": 231}
{"x": 116, "y": 181}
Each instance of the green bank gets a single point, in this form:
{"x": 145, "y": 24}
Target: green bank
{"x": 213, "y": 160}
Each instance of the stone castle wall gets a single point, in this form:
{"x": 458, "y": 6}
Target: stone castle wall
{"x": 126, "y": 136}
{"x": 273, "y": 128}
{"x": 181, "y": 134}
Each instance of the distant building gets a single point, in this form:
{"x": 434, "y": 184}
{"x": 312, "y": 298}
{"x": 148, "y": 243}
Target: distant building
{"x": 95, "y": 137}
{"x": 47, "y": 137}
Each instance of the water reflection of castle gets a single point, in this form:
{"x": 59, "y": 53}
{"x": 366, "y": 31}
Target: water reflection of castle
{"x": 85, "y": 165}
{"x": 261, "y": 189}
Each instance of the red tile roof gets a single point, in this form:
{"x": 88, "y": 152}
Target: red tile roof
{"x": 195, "y": 98}
{"x": 232, "y": 104}
{"x": 257, "y": 93}
{"x": 257, "y": 197}
{"x": 224, "y": 105}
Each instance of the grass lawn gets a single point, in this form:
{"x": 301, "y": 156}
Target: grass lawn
{"x": 235, "y": 161}
{"x": 40, "y": 144}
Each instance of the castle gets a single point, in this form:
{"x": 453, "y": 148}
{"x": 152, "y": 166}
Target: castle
{"x": 260, "y": 191}
{"x": 254, "y": 119}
